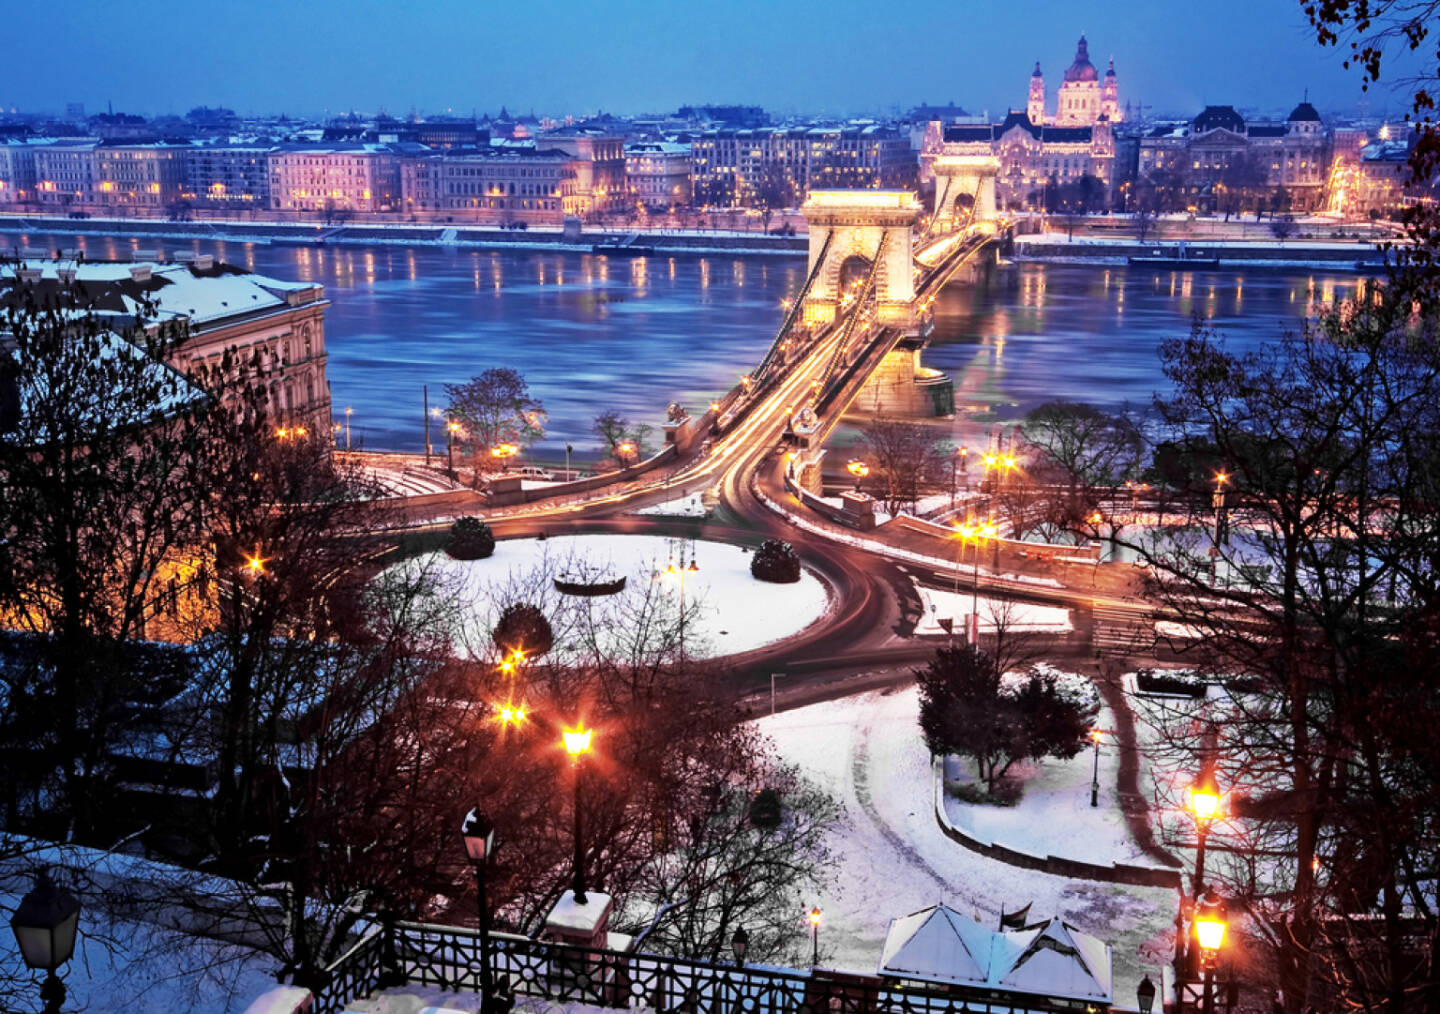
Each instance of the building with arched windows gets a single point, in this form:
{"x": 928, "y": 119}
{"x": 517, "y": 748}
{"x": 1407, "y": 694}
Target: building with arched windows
{"x": 1056, "y": 160}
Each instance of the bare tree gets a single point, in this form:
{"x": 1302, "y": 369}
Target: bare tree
{"x": 905, "y": 455}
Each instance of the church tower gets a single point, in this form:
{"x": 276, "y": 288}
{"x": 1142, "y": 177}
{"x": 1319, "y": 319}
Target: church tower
{"x": 1079, "y": 101}
{"x": 1036, "y": 107}
{"x": 1110, "y": 95}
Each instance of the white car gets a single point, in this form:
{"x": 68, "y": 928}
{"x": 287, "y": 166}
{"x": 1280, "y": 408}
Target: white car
{"x": 534, "y": 472}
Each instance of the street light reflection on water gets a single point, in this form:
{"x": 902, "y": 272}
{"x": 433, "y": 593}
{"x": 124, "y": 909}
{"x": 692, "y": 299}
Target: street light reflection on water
{"x": 589, "y": 336}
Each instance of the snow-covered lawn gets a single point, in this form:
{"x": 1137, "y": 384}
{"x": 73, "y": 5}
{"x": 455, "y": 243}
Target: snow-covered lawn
{"x": 892, "y": 858}
{"x": 726, "y": 609}
{"x": 1054, "y": 816}
{"x": 1016, "y": 616}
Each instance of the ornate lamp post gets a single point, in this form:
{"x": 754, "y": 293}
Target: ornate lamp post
{"x": 44, "y": 925}
{"x": 451, "y": 428}
{"x": 671, "y": 571}
{"x": 1095, "y": 735}
{"x": 348, "y": 413}
{"x": 739, "y": 944}
{"x": 1210, "y": 925}
{"x": 1145, "y": 995}
{"x": 1204, "y": 804}
{"x": 479, "y": 834}
{"x": 814, "y": 915}
{"x": 577, "y": 745}
{"x": 858, "y": 469}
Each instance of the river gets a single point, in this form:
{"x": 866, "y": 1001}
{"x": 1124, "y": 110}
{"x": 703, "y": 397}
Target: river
{"x": 592, "y": 333}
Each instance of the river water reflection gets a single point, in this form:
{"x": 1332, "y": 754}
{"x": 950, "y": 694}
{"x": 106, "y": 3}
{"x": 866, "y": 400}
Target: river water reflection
{"x": 592, "y": 333}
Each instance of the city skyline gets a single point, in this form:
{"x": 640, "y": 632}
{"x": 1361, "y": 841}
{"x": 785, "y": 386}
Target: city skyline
{"x": 654, "y": 58}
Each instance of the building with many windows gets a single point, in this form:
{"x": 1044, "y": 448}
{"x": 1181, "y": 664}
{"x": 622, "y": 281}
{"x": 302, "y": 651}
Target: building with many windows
{"x": 228, "y": 175}
{"x": 775, "y": 167}
{"x": 658, "y": 173}
{"x": 17, "y": 172}
{"x": 1041, "y": 165}
{"x": 65, "y": 174}
{"x": 1220, "y": 162}
{"x": 145, "y": 178}
{"x": 499, "y": 183}
{"x": 331, "y": 178}
{"x": 598, "y": 163}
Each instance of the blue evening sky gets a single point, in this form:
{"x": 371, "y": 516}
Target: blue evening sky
{"x": 629, "y": 56}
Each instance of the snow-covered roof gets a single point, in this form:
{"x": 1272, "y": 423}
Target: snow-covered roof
{"x": 937, "y": 944}
{"x": 1053, "y": 959}
{"x": 204, "y": 296}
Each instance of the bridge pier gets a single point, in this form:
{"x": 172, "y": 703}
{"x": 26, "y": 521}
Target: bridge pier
{"x": 902, "y": 387}
{"x": 963, "y": 182}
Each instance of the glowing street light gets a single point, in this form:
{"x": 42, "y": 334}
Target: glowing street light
{"x": 1095, "y": 735}
{"x": 1210, "y": 926}
{"x": 858, "y": 469}
{"x": 977, "y": 534}
{"x": 577, "y": 745}
{"x": 814, "y": 916}
{"x": 348, "y": 412}
{"x": 504, "y": 452}
{"x": 1204, "y": 804}
{"x": 451, "y": 429}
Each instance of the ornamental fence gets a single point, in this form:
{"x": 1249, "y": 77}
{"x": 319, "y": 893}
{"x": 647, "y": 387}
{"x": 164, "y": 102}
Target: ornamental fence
{"x": 450, "y": 957}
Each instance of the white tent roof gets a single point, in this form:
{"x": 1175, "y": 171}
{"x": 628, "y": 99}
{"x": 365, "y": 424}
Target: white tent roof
{"x": 1055, "y": 959}
{"x": 938, "y": 944}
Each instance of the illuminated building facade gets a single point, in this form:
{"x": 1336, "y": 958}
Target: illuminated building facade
{"x": 1220, "y": 162}
{"x": 65, "y": 174}
{"x": 143, "y": 177}
{"x": 358, "y": 177}
{"x": 234, "y": 176}
{"x": 511, "y": 181}
{"x": 658, "y": 173}
{"x": 776, "y": 167}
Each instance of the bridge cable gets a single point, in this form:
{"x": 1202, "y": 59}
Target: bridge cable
{"x": 843, "y": 343}
{"x": 795, "y": 309}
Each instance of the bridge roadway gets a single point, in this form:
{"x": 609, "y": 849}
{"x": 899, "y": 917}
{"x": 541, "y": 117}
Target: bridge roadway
{"x": 864, "y": 640}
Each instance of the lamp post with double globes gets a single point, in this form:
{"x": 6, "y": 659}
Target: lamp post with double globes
{"x": 44, "y": 925}
{"x": 479, "y": 834}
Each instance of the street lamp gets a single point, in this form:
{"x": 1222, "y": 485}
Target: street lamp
{"x": 44, "y": 925}
{"x": 577, "y": 745}
{"x": 739, "y": 943}
{"x": 977, "y": 534}
{"x": 1210, "y": 925}
{"x": 479, "y": 834}
{"x": 1095, "y": 735}
{"x": 858, "y": 469}
{"x": 961, "y": 459}
{"x": 348, "y": 412}
{"x": 504, "y": 452}
{"x": 672, "y": 571}
{"x": 815, "y": 936}
{"x": 1204, "y": 804}
{"x": 623, "y": 451}
{"x": 1145, "y": 995}
{"x": 451, "y": 428}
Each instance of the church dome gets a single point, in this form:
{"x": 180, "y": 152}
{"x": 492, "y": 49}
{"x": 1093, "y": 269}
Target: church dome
{"x": 1303, "y": 113}
{"x": 1082, "y": 69}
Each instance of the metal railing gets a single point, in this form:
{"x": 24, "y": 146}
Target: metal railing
{"x": 449, "y": 957}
